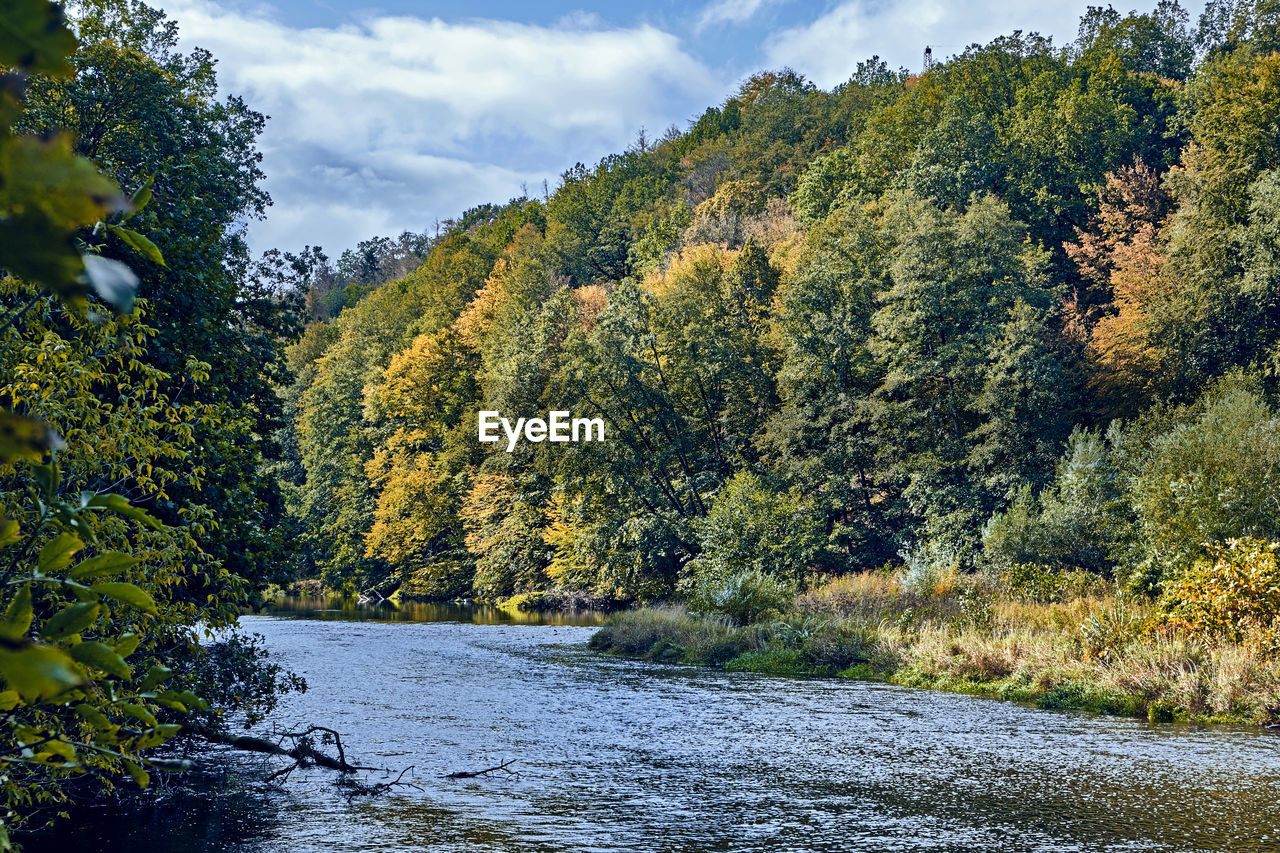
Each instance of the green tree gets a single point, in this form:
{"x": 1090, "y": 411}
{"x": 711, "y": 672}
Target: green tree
{"x": 956, "y": 278}
{"x": 97, "y": 604}
{"x": 820, "y": 439}
{"x": 150, "y": 118}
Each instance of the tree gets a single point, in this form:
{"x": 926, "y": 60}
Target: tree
{"x": 820, "y": 439}
{"x": 421, "y": 472}
{"x": 1121, "y": 258}
{"x": 1203, "y": 474}
{"x": 956, "y": 278}
{"x": 149, "y": 117}
{"x": 1216, "y": 315}
{"x": 750, "y": 527}
{"x": 89, "y": 579}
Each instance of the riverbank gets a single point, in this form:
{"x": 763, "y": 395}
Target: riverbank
{"x": 1089, "y": 649}
{"x": 547, "y": 601}
{"x": 681, "y": 758}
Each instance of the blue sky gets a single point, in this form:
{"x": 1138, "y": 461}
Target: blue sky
{"x": 387, "y": 117}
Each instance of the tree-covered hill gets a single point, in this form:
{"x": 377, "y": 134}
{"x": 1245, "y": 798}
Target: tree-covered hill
{"x": 1021, "y": 308}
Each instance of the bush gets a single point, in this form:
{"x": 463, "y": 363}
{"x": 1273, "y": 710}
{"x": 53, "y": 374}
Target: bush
{"x": 743, "y": 597}
{"x": 751, "y": 527}
{"x": 834, "y": 648}
{"x": 1211, "y": 476}
{"x": 1233, "y": 595}
{"x": 1078, "y": 520}
{"x": 1029, "y": 582}
{"x": 1109, "y": 632}
{"x": 636, "y": 632}
{"x": 931, "y": 568}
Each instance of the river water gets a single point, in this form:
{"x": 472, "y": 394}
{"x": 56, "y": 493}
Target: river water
{"x": 619, "y": 755}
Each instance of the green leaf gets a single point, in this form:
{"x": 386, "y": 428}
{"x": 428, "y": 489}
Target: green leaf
{"x": 167, "y": 701}
{"x": 34, "y": 37}
{"x": 139, "y": 775}
{"x": 9, "y": 700}
{"x": 93, "y": 716}
{"x": 17, "y": 616}
{"x": 139, "y": 243}
{"x": 138, "y": 712}
{"x": 34, "y": 248}
{"x": 24, "y": 439}
{"x": 81, "y": 592}
{"x": 47, "y": 478}
{"x": 45, "y": 176}
{"x": 69, "y": 620}
{"x": 121, "y": 506}
{"x": 127, "y": 644}
{"x": 157, "y": 736}
{"x": 9, "y": 530}
{"x": 37, "y": 672}
{"x": 57, "y": 553}
{"x": 103, "y": 564}
{"x": 179, "y": 700}
{"x": 141, "y": 196}
{"x": 190, "y": 699}
{"x": 127, "y": 593}
{"x": 63, "y": 751}
{"x": 103, "y": 657}
{"x": 156, "y": 675}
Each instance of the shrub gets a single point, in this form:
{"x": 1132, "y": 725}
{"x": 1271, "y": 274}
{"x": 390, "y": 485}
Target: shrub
{"x": 869, "y": 595}
{"x": 836, "y": 647}
{"x": 1109, "y": 631}
{"x": 931, "y": 568}
{"x": 744, "y": 597}
{"x": 636, "y": 632}
{"x": 1029, "y": 582}
{"x": 1078, "y": 521}
{"x": 751, "y": 527}
{"x": 1210, "y": 477}
{"x": 1234, "y": 594}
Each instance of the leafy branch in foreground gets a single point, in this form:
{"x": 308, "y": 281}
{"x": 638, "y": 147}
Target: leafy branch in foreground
{"x": 71, "y": 703}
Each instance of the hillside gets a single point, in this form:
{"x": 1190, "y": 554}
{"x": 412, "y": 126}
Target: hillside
{"x": 1021, "y": 308}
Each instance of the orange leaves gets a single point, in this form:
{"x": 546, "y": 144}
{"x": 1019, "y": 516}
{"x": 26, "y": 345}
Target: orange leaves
{"x": 1122, "y": 256}
{"x": 1235, "y": 595}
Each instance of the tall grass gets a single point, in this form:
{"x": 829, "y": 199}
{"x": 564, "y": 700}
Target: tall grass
{"x": 976, "y": 634}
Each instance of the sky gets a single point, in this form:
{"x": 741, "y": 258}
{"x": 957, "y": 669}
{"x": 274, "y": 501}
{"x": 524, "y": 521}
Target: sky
{"x": 391, "y": 117}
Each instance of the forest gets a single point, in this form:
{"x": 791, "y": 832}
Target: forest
{"x": 965, "y": 378}
{"x": 1021, "y": 309}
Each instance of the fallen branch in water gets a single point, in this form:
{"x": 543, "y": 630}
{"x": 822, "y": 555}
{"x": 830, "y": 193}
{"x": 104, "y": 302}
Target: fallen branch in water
{"x": 465, "y": 774}
{"x": 303, "y": 752}
{"x": 359, "y": 789}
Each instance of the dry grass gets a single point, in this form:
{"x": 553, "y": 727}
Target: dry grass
{"x": 976, "y": 638}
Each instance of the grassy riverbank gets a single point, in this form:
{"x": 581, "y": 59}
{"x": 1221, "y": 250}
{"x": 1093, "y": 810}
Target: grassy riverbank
{"x": 1082, "y": 648}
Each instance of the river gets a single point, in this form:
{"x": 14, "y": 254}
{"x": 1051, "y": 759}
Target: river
{"x": 618, "y": 755}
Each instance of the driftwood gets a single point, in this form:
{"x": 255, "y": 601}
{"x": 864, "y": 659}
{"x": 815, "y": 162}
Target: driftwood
{"x": 374, "y": 594}
{"x": 303, "y": 751}
{"x": 304, "y": 754}
{"x": 471, "y": 774}
{"x": 360, "y": 789}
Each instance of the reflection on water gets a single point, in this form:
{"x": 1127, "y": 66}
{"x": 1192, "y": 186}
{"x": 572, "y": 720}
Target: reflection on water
{"x": 348, "y": 609}
{"x": 618, "y": 755}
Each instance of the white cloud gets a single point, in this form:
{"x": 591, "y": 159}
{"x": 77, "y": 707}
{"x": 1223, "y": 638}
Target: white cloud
{"x": 828, "y": 49}
{"x": 730, "y": 12}
{"x": 395, "y": 121}
{"x": 392, "y": 122}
